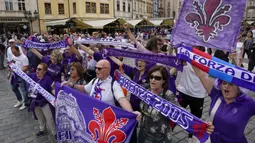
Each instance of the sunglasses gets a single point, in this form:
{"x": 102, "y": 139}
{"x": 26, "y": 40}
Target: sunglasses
{"x": 100, "y": 68}
{"x": 38, "y": 69}
{"x": 155, "y": 77}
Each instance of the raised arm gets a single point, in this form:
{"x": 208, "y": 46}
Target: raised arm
{"x": 86, "y": 49}
{"x": 38, "y": 54}
{"x": 205, "y": 80}
{"x": 115, "y": 60}
{"x": 75, "y": 51}
{"x": 130, "y": 34}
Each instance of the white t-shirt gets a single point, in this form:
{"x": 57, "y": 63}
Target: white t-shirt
{"x": 86, "y": 63}
{"x": 10, "y": 55}
{"x": 190, "y": 84}
{"x": 20, "y": 61}
{"x": 106, "y": 94}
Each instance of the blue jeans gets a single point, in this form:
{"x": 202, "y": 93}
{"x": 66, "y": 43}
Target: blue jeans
{"x": 20, "y": 90}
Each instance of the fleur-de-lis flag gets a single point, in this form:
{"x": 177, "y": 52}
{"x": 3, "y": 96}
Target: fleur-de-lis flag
{"x": 209, "y": 23}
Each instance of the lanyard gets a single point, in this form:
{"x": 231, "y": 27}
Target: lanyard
{"x": 97, "y": 90}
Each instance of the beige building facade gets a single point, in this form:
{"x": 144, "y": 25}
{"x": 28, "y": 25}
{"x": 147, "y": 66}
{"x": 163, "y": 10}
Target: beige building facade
{"x": 142, "y": 9}
{"x": 169, "y": 8}
{"x": 50, "y": 10}
{"x": 12, "y": 19}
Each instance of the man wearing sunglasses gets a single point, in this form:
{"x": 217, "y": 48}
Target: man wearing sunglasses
{"x": 100, "y": 88}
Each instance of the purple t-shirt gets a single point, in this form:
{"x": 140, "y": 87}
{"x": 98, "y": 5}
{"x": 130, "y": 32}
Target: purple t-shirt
{"x": 45, "y": 83}
{"x": 67, "y": 61}
{"x": 230, "y": 119}
{"x": 54, "y": 70}
{"x": 134, "y": 74}
{"x": 98, "y": 56}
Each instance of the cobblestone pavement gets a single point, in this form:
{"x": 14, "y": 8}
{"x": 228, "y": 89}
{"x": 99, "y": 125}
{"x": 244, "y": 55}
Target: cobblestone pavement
{"x": 20, "y": 127}
{"x": 16, "y": 126}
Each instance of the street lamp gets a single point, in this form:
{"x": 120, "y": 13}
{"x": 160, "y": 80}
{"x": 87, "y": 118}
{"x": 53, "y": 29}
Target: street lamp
{"x": 28, "y": 15}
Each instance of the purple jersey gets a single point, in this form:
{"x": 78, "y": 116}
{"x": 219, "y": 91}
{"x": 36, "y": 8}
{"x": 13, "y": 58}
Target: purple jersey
{"x": 230, "y": 119}
{"x": 54, "y": 70}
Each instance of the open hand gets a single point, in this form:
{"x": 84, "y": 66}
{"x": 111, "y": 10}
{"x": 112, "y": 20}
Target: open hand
{"x": 66, "y": 83}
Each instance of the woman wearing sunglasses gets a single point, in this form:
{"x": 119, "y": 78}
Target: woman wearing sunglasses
{"x": 154, "y": 127}
{"x": 54, "y": 62}
{"x": 139, "y": 75}
{"x": 39, "y": 105}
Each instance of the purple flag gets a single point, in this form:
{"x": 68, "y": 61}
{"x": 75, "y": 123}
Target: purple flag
{"x": 81, "y": 118}
{"x": 209, "y": 23}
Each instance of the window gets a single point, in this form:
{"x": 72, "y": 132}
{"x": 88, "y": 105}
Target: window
{"x": 61, "y": 9}
{"x": 135, "y": 6}
{"x": 8, "y": 5}
{"x": 47, "y": 8}
{"x": 74, "y": 8}
{"x": 118, "y": 6}
{"x": 91, "y": 7}
{"x": 124, "y": 6}
{"x": 129, "y": 7}
{"x": 148, "y": 9}
{"x": 104, "y": 8}
{"x": 21, "y": 4}
{"x": 168, "y": 4}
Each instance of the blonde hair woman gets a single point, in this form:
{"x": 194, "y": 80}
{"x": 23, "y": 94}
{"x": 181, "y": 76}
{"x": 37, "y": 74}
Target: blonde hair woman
{"x": 54, "y": 62}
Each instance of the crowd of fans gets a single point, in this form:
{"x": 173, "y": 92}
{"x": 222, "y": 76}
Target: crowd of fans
{"x": 83, "y": 67}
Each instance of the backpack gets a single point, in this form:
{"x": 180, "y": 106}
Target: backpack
{"x": 115, "y": 101}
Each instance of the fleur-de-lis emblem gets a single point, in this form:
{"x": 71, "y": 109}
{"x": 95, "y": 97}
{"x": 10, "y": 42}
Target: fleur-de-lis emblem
{"x": 98, "y": 92}
{"x": 199, "y": 130}
{"x": 208, "y": 18}
{"x": 106, "y": 128}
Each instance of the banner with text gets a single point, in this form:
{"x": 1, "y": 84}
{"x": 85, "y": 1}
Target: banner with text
{"x": 217, "y": 68}
{"x": 81, "y": 118}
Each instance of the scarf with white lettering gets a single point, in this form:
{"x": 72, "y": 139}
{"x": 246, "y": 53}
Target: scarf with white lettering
{"x": 107, "y": 42}
{"x": 50, "y": 98}
{"x": 216, "y": 67}
{"x": 180, "y": 116}
{"x": 38, "y": 45}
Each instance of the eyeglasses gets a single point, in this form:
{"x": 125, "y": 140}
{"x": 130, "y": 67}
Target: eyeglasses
{"x": 38, "y": 69}
{"x": 100, "y": 68}
{"x": 155, "y": 77}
